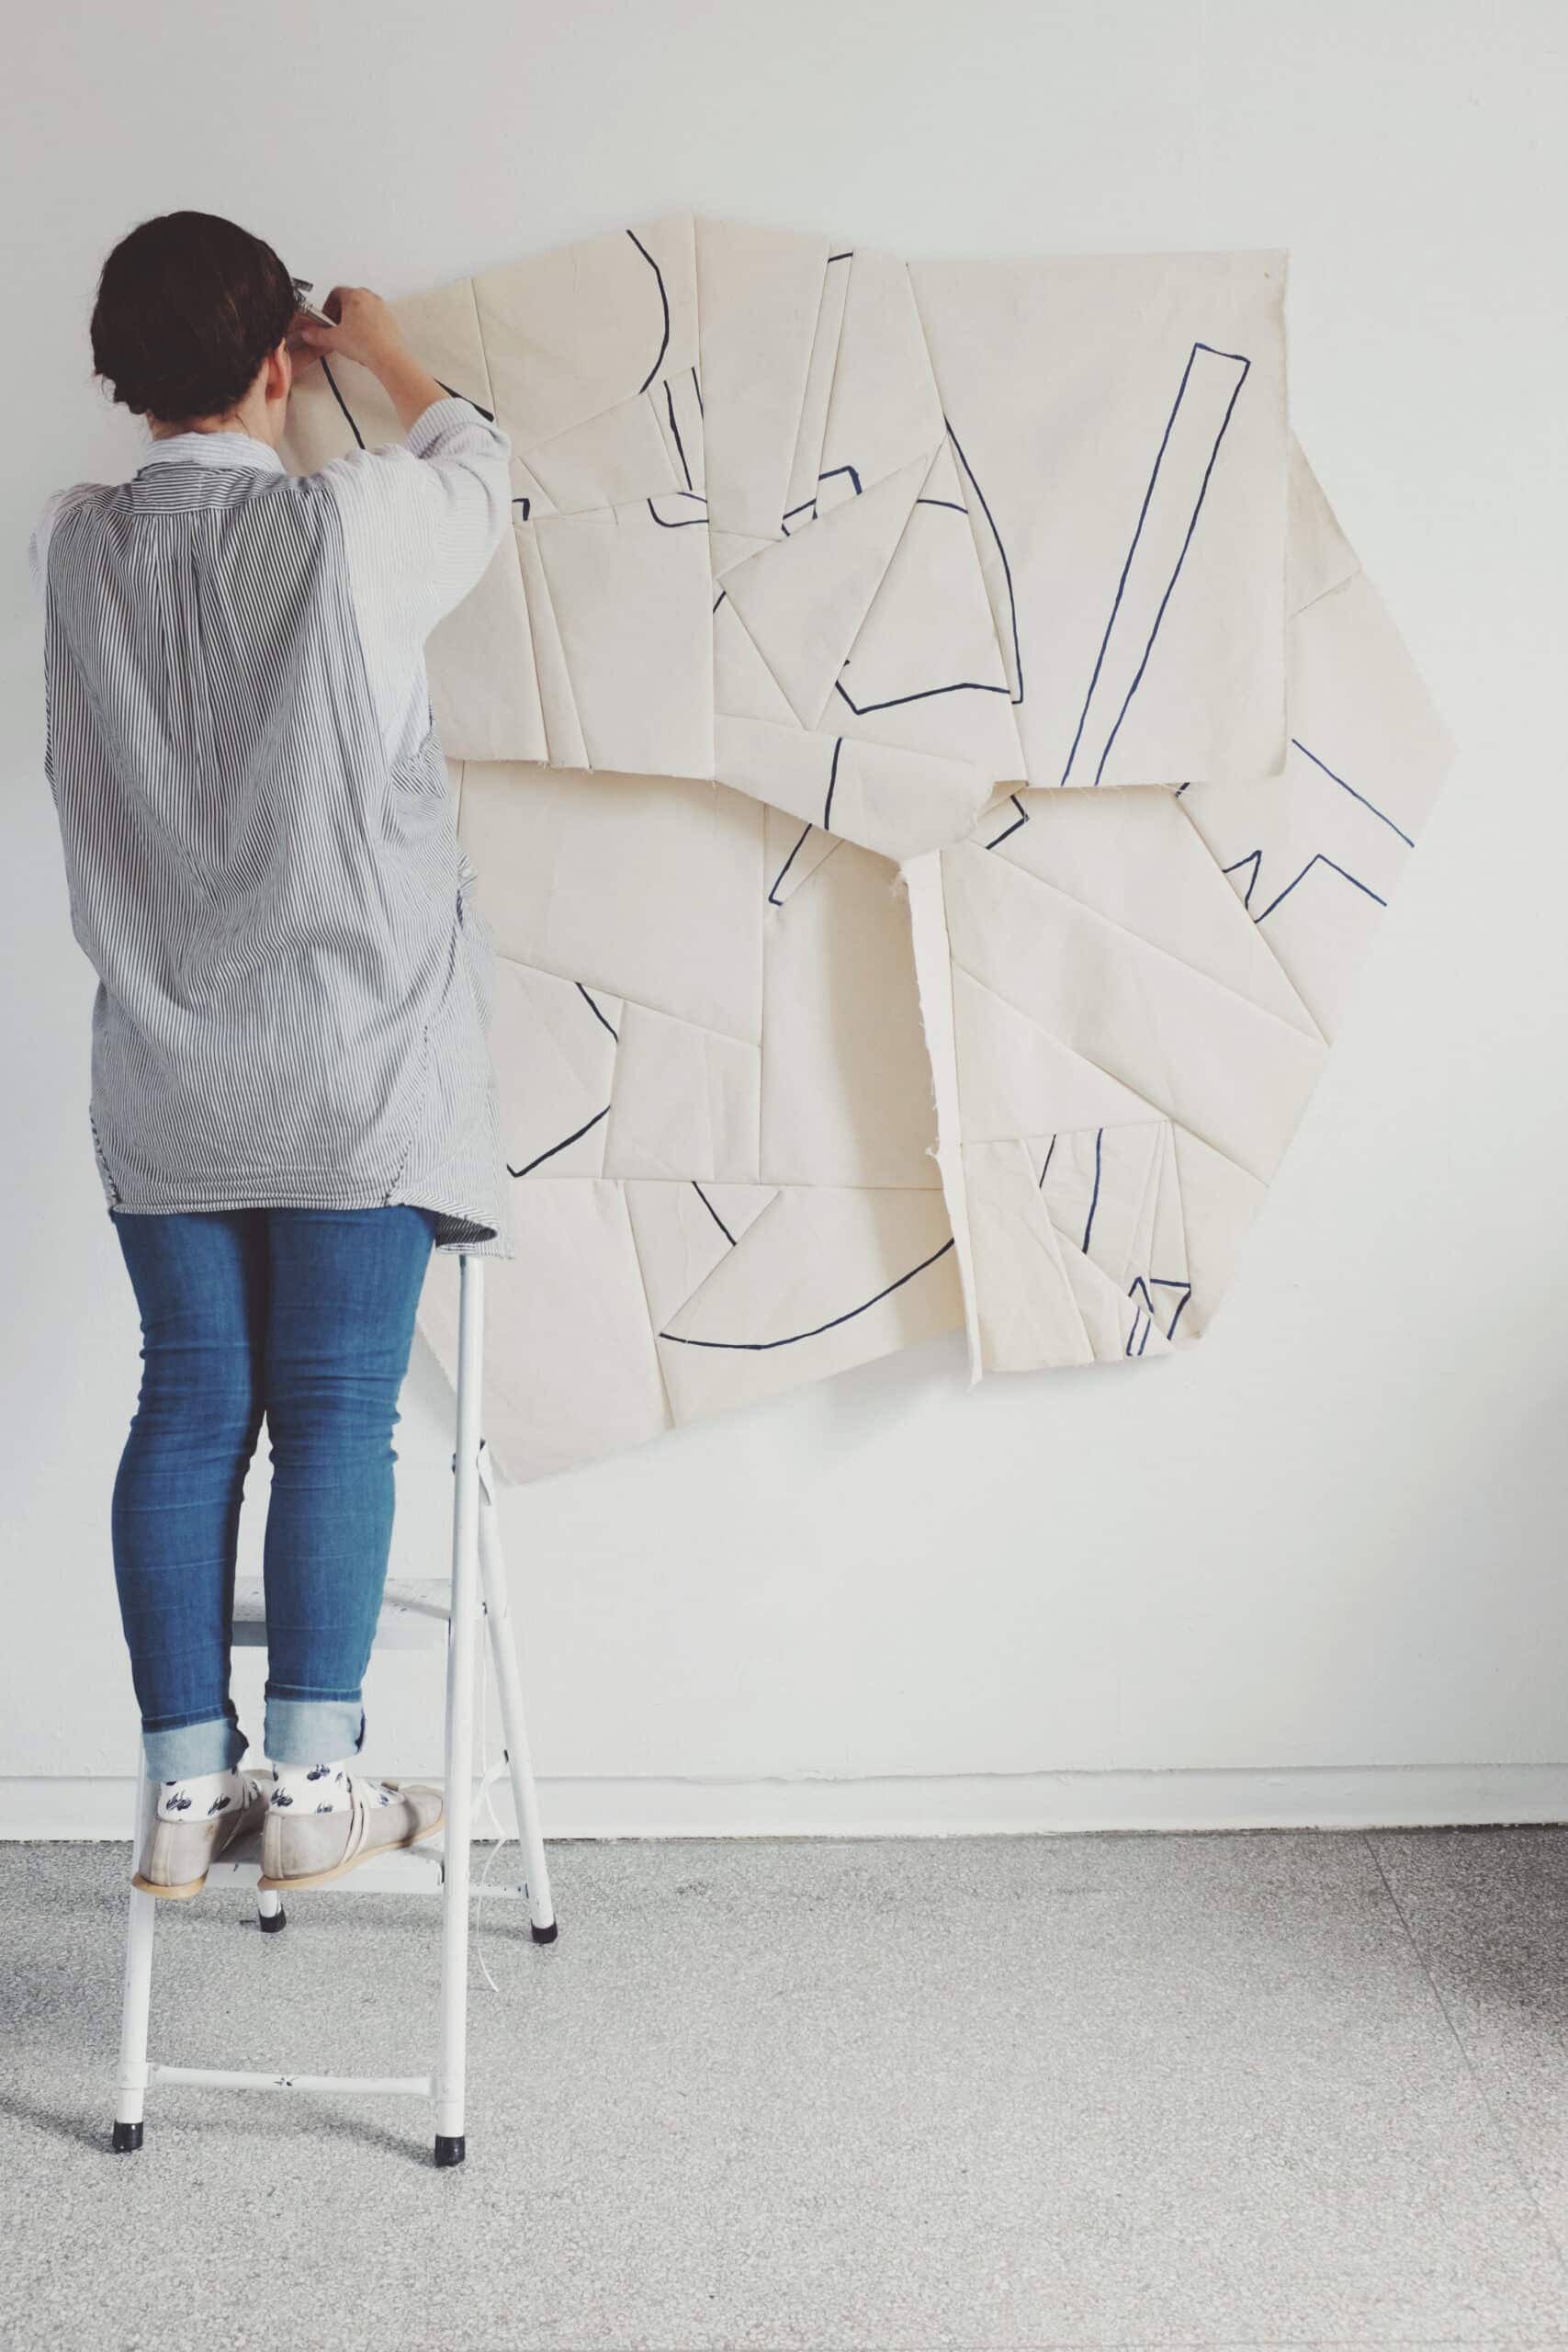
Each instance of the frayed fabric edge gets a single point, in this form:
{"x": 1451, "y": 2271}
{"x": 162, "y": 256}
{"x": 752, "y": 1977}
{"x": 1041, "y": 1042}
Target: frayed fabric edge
{"x": 921, "y": 878}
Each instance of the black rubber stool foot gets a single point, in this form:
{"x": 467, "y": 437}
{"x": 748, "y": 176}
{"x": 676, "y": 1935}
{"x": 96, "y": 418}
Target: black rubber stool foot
{"x": 127, "y": 2138}
{"x": 276, "y": 1924}
{"x": 449, "y": 2150}
{"x": 544, "y": 1935}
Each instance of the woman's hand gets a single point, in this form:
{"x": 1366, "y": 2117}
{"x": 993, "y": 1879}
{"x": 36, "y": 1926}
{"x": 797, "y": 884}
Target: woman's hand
{"x": 363, "y": 329}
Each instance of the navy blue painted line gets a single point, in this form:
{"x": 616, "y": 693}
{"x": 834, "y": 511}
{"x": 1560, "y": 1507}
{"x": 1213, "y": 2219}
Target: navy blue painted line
{"x": 1094, "y": 1204}
{"x": 1169, "y": 1282}
{"x": 1139, "y": 1318}
{"x": 1255, "y": 859}
{"x": 760, "y": 1347}
{"x": 697, "y": 387}
{"x": 1148, "y": 1326}
{"x": 1051, "y": 1148}
{"x": 680, "y": 444}
{"x": 1161, "y": 1282}
{"x": 832, "y": 784}
{"x": 664, "y": 304}
{"x": 808, "y": 505}
{"x": 1006, "y": 567}
{"x": 1131, "y": 551}
{"x": 526, "y": 505}
{"x": 1245, "y": 366}
{"x": 1353, "y": 793}
{"x": 1318, "y": 860}
{"x": 833, "y": 257}
{"x": 692, "y": 523}
{"x": 488, "y": 414}
{"x": 713, "y": 1212}
{"x": 1021, "y": 818}
{"x": 593, "y": 1009}
{"x": 718, "y": 600}
{"x": 337, "y": 396}
{"x": 561, "y": 1145}
{"x": 925, "y": 694}
{"x": 772, "y": 899}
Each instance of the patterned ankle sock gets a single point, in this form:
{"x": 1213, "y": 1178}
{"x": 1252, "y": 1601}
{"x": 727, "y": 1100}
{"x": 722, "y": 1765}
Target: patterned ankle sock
{"x": 311, "y": 1788}
{"x": 201, "y": 1794}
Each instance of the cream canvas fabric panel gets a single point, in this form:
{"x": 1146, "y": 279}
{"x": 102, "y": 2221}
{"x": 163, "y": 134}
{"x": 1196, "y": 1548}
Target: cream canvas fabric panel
{"x": 1130, "y": 994}
{"x": 716, "y": 1104}
{"x": 933, "y": 764}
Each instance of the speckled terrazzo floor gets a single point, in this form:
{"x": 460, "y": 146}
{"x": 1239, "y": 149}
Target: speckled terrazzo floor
{"x": 1231, "y": 2091}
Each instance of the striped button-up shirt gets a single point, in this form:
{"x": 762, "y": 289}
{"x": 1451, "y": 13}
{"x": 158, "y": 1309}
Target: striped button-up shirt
{"x": 294, "y": 982}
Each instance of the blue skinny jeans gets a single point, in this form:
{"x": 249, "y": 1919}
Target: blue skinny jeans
{"x": 304, "y": 1316}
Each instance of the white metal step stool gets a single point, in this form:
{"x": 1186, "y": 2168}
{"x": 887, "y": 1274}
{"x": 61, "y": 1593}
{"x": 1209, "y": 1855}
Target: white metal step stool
{"x": 413, "y": 1613}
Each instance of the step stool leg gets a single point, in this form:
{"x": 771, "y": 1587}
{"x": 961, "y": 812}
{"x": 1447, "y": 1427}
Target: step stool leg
{"x": 459, "y": 1767}
{"x": 136, "y": 1994}
{"x": 514, "y": 1727}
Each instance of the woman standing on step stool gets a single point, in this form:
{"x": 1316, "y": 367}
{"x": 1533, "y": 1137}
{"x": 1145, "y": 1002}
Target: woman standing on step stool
{"x": 292, "y": 1099}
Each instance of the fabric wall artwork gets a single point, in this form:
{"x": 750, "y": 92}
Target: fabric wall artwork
{"x": 934, "y": 765}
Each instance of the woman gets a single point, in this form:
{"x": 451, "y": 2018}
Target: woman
{"x": 292, "y": 1101}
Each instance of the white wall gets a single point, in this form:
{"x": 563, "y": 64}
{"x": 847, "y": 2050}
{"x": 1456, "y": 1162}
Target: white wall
{"x": 1316, "y": 1570}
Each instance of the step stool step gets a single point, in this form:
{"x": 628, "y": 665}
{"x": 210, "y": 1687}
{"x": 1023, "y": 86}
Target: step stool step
{"x": 415, "y": 1613}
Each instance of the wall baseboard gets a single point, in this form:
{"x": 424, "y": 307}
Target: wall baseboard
{"x": 963, "y": 1805}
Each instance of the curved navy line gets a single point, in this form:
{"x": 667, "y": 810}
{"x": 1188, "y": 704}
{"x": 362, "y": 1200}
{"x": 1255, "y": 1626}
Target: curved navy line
{"x": 342, "y": 404}
{"x": 526, "y": 505}
{"x": 1350, "y": 788}
{"x": 951, "y": 505}
{"x": 593, "y": 1009}
{"x": 1006, "y": 567}
{"x": 1245, "y": 367}
{"x": 693, "y": 522}
{"x": 760, "y": 1347}
{"x": 713, "y": 1212}
{"x": 784, "y": 869}
{"x": 561, "y": 1145}
{"x": 1052, "y": 1142}
{"x": 664, "y": 300}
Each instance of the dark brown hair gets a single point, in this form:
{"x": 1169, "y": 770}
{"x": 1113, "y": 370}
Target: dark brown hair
{"x": 188, "y": 306}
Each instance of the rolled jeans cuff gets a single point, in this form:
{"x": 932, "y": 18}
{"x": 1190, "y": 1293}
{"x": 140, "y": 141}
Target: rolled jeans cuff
{"x": 179, "y": 1753}
{"x": 312, "y": 1731}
